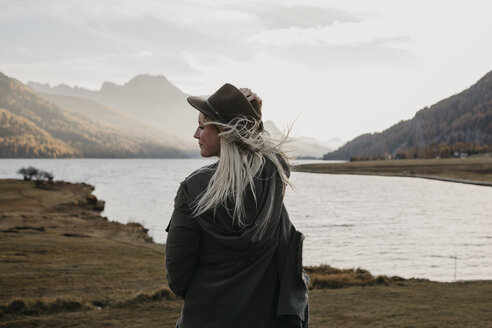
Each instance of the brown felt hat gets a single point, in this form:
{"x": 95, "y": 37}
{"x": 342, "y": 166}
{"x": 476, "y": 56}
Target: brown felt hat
{"x": 226, "y": 104}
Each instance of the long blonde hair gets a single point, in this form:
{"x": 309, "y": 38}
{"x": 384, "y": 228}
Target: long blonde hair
{"x": 244, "y": 148}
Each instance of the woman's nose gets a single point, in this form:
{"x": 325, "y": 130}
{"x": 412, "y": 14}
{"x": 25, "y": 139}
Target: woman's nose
{"x": 197, "y": 134}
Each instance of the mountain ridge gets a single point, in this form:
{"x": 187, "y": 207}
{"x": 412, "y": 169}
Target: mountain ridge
{"x": 461, "y": 122}
{"x": 151, "y": 99}
{"x": 77, "y": 134}
{"x": 113, "y": 117}
{"x": 182, "y": 118}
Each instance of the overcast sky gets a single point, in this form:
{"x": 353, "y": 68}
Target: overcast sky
{"x": 336, "y": 68}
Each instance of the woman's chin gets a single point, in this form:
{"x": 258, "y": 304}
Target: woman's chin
{"x": 207, "y": 154}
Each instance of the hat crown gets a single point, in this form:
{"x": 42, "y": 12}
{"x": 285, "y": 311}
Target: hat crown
{"x": 230, "y": 103}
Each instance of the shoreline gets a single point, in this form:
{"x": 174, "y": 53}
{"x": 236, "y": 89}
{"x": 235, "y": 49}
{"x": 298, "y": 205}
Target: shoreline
{"x": 63, "y": 264}
{"x": 475, "y": 171}
{"x": 477, "y": 183}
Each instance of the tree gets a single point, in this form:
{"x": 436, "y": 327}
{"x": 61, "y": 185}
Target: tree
{"x": 41, "y": 177}
{"x": 29, "y": 172}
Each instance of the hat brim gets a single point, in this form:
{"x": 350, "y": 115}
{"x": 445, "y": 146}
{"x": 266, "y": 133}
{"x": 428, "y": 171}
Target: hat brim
{"x": 201, "y": 104}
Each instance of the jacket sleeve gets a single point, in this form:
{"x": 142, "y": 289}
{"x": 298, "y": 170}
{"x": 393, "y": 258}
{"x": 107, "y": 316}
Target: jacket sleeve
{"x": 182, "y": 245}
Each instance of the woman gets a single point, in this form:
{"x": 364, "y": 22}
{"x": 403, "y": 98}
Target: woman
{"x": 232, "y": 253}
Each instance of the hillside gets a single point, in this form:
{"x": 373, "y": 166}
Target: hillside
{"x": 462, "y": 122}
{"x": 71, "y": 133}
{"x": 153, "y": 100}
{"x": 19, "y": 137}
{"x": 117, "y": 119}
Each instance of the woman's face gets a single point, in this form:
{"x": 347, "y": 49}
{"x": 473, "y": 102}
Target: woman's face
{"x": 208, "y": 138}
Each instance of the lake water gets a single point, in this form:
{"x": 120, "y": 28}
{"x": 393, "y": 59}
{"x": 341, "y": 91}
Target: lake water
{"x": 388, "y": 225}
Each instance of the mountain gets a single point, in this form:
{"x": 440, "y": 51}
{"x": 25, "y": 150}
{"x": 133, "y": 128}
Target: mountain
{"x": 19, "y": 137}
{"x": 152, "y": 100}
{"x": 123, "y": 122}
{"x": 151, "y": 106}
{"x": 462, "y": 122}
{"x": 303, "y": 146}
{"x": 35, "y": 127}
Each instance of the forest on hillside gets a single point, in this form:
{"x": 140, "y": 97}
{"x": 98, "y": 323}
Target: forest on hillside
{"x": 32, "y": 126}
{"x": 461, "y": 123}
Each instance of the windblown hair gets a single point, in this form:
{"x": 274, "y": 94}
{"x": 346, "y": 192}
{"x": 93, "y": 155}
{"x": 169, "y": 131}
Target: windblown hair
{"x": 244, "y": 148}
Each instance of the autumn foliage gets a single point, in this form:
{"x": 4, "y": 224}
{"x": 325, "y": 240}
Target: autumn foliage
{"x": 31, "y": 126}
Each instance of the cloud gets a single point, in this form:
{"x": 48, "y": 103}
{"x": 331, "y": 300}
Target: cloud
{"x": 338, "y": 45}
{"x": 47, "y": 39}
{"x": 62, "y": 33}
{"x": 336, "y": 34}
{"x": 322, "y": 57}
{"x": 194, "y": 36}
{"x": 283, "y": 16}
{"x": 144, "y": 54}
{"x": 191, "y": 30}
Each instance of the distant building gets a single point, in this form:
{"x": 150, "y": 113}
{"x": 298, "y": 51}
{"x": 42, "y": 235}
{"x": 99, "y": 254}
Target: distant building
{"x": 460, "y": 155}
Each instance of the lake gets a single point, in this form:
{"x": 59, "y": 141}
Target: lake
{"x": 408, "y": 227}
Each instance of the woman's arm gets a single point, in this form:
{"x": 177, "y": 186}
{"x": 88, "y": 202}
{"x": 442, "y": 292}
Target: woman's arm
{"x": 182, "y": 245}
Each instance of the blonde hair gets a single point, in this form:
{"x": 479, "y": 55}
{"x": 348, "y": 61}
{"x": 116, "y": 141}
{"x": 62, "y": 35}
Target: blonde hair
{"x": 244, "y": 148}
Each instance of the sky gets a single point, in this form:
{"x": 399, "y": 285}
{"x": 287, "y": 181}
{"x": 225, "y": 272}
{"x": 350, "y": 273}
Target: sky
{"x": 330, "y": 68}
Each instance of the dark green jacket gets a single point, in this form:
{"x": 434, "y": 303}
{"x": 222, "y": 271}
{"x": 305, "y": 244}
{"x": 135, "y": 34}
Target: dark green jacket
{"x": 237, "y": 277}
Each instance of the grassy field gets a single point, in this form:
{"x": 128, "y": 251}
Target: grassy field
{"x": 63, "y": 265}
{"x": 466, "y": 170}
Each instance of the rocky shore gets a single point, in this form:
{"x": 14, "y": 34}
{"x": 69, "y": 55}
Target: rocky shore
{"x": 63, "y": 264}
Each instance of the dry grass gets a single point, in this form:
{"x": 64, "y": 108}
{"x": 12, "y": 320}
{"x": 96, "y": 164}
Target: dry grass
{"x": 413, "y": 303}
{"x": 326, "y": 277}
{"x": 56, "y": 246}
{"x": 63, "y": 265}
{"x": 471, "y": 170}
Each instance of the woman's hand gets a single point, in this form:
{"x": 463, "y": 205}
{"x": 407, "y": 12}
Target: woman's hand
{"x": 251, "y": 96}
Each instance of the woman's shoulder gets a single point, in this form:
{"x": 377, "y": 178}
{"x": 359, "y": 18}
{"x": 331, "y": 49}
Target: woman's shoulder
{"x": 196, "y": 182}
{"x": 202, "y": 174}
